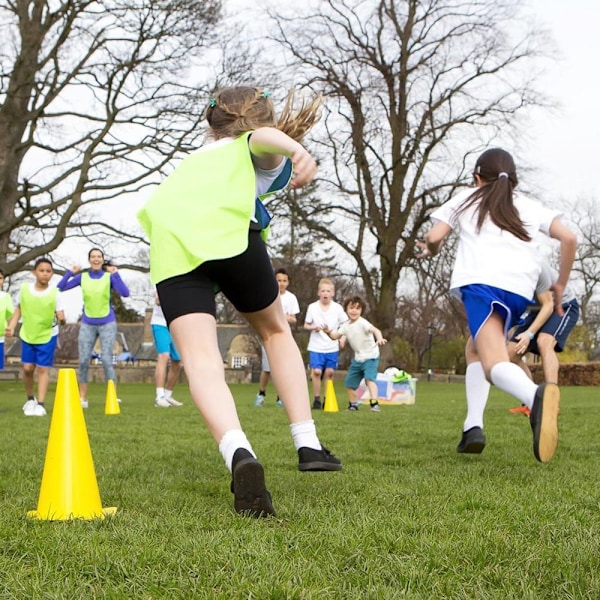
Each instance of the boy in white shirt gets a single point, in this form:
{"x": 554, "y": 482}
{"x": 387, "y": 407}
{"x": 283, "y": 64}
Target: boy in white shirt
{"x": 365, "y": 339}
{"x": 323, "y": 352}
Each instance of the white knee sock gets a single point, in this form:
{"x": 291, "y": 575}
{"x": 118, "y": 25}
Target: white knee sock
{"x": 511, "y": 379}
{"x": 304, "y": 434}
{"x": 230, "y": 442}
{"x": 477, "y": 390}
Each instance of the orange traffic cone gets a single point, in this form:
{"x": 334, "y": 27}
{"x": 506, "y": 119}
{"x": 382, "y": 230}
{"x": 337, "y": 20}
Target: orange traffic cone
{"x": 69, "y": 488}
{"x": 111, "y": 407}
{"x": 331, "y": 404}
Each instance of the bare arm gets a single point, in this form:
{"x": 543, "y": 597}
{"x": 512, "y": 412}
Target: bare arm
{"x": 568, "y": 247}
{"x": 268, "y": 145}
{"x": 433, "y": 240}
{"x": 10, "y": 326}
{"x": 546, "y": 303}
{"x": 378, "y": 336}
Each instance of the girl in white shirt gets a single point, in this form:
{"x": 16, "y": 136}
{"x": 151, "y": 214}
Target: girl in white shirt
{"x": 495, "y": 274}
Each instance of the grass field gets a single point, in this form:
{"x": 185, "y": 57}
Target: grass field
{"x": 406, "y": 518}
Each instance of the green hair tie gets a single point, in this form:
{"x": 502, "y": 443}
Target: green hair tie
{"x": 266, "y": 94}
{"x": 212, "y": 102}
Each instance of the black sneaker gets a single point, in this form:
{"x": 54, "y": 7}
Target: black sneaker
{"x": 544, "y": 421}
{"x": 318, "y": 460}
{"x": 316, "y": 405}
{"x": 352, "y": 406}
{"x": 251, "y": 496}
{"x": 472, "y": 441}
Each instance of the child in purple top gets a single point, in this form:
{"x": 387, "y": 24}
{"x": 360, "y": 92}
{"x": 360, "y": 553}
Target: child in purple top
{"x": 98, "y": 319}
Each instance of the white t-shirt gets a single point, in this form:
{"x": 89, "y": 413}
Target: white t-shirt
{"x": 548, "y": 276}
{"x": 492, "y": 256}
{"x": 289, "y": 303}
{"x": 60, "y": 303}
{"x": 333, "y": 317}
{"x": 158, "y": 317}
{"x": 361, "y": 339}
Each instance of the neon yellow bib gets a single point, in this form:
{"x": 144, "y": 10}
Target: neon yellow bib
{"x": 96, "y": 295}
{"x": 202, "y": 210}
{"x": 38, "y": 314}
{"x": 6, "y": 310}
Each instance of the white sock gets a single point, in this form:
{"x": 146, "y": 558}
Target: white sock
{"x": 160, "y": 392}
{"x": 477, "y": 390}
{"x": 304, "y": 434}
{"x": 510, "y": 378}
{"x": 168, "y": 393}
{"x": 230, "y": 442}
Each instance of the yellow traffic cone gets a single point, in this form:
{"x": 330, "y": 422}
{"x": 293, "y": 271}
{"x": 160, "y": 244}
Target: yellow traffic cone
{"x": 69, "y": 488}
{"x": 331, "y": 404}
{"x": 112, "y": 404}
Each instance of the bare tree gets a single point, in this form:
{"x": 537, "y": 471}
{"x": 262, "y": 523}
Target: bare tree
{"x": 93, "y": 102}
{"x": 414, "y": 89}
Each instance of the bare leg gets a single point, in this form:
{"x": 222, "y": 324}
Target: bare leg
{"x": 315, "y": 375}
{"x": 264, "y": 379}
{"x": 43, "y": 378}
{"x": 195, "y": 336}
{"x": 173, "y": 376}
{"x": 28, "y": 371}
{"x": 287, "y": 367}
{"x": 546, "y": 344}
{"x": 373, "y": 392}
{"x": 83, "y": 387}
{"x": 160, "y": 372}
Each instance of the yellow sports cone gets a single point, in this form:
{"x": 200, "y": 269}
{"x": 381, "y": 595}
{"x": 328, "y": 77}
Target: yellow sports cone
{"x": 69, "y": 488}
{"x": 331, "y": 404}
{"x": 112, "y": 404}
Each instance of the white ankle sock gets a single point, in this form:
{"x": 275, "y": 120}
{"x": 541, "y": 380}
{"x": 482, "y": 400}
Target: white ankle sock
{"x": 511, "y": 379}
{"x": 304, "y": 434}
{"x": 160, "y": 392}
{"x": 230, "y": 442}
{"x": 477, "y": 389}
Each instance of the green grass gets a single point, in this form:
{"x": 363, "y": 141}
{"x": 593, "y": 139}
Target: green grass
{"x": 406, "y": 518}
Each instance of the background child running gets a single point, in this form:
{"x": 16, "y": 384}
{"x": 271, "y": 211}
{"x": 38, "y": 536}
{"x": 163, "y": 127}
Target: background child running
{"x": 40, "y": 308}
{"x": 206, "y": 224}
{"x": 495, "y": 274}
{"x": 6, "y": 310}
{"x": 365, "y": 339}
{"x": 166, "y": 378}
{"x": 98, "y": 320}
{"x": 323, "y": 352}
{"x": 291, "y": 308}
{"x": 545, "y": 337}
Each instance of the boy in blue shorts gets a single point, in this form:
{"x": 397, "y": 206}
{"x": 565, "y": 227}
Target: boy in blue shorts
{"x": 548, "y": 339}
{"x": 365, "y": 339}
{"x": 6, "y": 310}
{"x": 39, "y": 309}
{"x": 323, "y": 352}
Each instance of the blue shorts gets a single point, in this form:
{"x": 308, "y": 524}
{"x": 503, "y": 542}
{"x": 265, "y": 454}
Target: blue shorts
{"x": 323, "y": 360}
{"x": 481, "y": 301}
{"x": 358, "y": 371}
{"x": 556, "y": 326}
{"x": 1, "y": 355}
{"x": 41, "y": 355}
{"x": 164, "y": 342}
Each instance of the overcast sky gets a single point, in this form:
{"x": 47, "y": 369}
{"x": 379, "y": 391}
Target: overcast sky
{"x": 567, "y": 146}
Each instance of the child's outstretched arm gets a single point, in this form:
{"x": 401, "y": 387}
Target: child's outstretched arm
{"x": 267, "y": 146}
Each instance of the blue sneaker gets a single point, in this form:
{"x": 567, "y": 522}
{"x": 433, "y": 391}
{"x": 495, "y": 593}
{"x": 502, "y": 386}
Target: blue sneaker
{"x": 278, "y": 402}
{"x": 259, "y": 400}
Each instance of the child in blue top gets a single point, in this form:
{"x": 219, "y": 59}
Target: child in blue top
{"x": 206, "y": 232}
{"x": 98, "y": 319}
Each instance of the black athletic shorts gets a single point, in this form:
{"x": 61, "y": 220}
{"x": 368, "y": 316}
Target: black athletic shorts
{"x": 247, "y": 280}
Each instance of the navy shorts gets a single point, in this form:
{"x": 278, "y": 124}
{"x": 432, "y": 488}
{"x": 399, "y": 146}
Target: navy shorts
{"x": 246, "y": 280}
{"x": 556, "y": 326}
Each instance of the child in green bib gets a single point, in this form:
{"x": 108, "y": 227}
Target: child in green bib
{"x": 39, "y": 307}
{"x": 206, "y": 225}
{"x": 6, "y": 310}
